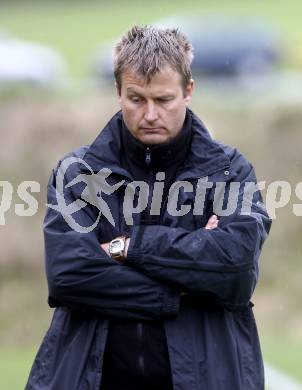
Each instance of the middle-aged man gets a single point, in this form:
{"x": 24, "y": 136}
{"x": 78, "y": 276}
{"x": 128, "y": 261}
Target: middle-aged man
{"x": 152, "y": 238}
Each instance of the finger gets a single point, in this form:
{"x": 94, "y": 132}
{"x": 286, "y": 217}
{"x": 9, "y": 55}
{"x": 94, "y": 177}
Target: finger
{"x": 212, "y": 222}
{"x": 212, "y": 219}
{"x": 105, "y": 247}
{"x": 210, "y": 226}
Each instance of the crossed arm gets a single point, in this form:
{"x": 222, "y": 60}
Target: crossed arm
{"x": 212, "y": 224}
{"x": 220, "y": 259}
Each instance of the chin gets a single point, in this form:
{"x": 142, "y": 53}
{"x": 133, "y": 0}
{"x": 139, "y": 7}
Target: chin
{"x": 154, "y": 139}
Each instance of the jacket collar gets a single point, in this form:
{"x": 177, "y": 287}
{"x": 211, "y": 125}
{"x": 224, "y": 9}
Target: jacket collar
{"x": 205, "y": 156}
{"x": 161, "y": 156}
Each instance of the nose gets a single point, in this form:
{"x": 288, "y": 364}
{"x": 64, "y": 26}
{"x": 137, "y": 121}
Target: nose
{"x": 151, "y": 113}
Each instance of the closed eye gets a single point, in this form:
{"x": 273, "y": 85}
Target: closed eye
{"x": 164, "y": 99}
{"x": 135, "y": 99}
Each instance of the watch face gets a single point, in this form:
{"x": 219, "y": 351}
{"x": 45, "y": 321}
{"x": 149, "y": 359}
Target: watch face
{"x": 116, "y": 246}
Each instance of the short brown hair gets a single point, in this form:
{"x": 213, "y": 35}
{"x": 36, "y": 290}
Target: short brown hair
{"x": 147, "y": 50}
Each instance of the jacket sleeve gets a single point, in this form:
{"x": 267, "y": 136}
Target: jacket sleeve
{"x": 83, "y": 277}
{"x": 222, "y": 262}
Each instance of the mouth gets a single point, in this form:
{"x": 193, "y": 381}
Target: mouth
{"x": 152, "y": 129}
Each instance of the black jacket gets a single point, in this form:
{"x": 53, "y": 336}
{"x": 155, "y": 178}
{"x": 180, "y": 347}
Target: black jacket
{"x": 198, "y": 281}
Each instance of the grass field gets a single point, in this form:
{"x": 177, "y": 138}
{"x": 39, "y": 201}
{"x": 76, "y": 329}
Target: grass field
{"x": 14, "y": 368}
{"x": 77, "y": 28}
{"x": 282, "y": 353}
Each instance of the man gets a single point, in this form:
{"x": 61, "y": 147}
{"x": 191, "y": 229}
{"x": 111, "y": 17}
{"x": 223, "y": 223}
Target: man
{"x": 153, "y": 292}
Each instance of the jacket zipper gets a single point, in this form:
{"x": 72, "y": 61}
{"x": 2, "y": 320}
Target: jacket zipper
{"x": 208, "y": 173}
{"x": 150, "y": 182}
{"x": 140, "y": 328}
{"x": 148, "y": 157}
{"x": 141, "y": 360}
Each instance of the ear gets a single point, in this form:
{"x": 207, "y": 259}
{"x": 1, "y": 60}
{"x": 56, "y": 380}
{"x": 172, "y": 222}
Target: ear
{"x": 189, "y": 91}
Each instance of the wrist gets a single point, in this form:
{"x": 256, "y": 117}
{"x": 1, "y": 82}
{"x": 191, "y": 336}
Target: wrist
{"x": 118, "y": 248}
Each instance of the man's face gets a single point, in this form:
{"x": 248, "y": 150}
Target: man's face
{"x": 155, "y": 112}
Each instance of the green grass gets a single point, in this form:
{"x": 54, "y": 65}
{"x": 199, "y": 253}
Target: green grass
{"x": 282, "y": 352}
{"x": 15, "y": 365}
{"x": 77, "y": 28}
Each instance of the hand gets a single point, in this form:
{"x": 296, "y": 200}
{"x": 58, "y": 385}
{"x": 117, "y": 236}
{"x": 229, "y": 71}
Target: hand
{"x": 105, "y": 247}
{"x": 212, "y": 222}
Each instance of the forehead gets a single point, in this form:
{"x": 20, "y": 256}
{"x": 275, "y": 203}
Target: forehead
{"x": 165, "y": 81}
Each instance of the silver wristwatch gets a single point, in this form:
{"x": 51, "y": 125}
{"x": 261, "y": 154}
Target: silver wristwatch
{"x": 117, "y": 248}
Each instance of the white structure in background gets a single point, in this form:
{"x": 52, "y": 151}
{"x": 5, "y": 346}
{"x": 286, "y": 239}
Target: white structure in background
{"x": 275, "y": 380}
{"x": 27, "y": 63}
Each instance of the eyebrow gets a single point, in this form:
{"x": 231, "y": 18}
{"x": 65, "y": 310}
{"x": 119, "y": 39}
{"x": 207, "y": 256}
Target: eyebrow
{"x": 163, "y": 96}
{"x": 132, "y": 90}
